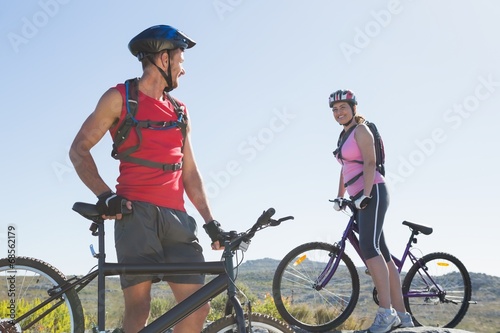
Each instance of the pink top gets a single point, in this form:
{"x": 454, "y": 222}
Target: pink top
{"x": 350, "y": 169}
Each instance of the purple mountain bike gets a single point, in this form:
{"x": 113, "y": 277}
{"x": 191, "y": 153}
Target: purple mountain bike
{"x": 316, "y": 285}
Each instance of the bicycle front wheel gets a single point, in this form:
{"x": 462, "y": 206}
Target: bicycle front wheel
{"x": 28, "y": 282}
{"x": 258, "y": 323}
{"x": 298, "y": 300}
{"x": 437, "y": 290}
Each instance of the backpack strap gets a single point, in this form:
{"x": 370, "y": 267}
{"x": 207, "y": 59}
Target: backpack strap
{"x": 338, "y": 152}
{"x": 378, "y": 154}
{"x": 131, "y": 94}
{"x": 131, "y": 97}
{"x": 353, "y": 179}
{"x": 340, "y": 142}
{"x": 181, "y": 122}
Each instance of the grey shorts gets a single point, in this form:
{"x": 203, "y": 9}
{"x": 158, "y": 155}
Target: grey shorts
{"x": 152, "y": 234}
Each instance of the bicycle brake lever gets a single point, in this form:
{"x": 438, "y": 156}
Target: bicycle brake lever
{"x": 274, "y": 223}
{"x": 228, "y": 235}
{"x": 286, "y": 218}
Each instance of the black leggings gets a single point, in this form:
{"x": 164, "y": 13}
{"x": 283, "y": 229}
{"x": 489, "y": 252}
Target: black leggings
{"x": 371, "y": 221}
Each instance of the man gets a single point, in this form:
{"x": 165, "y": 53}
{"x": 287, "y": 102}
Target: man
{"x": 157, "y": 166}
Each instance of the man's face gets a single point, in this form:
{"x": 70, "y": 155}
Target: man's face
{"x": 177, "y": 58}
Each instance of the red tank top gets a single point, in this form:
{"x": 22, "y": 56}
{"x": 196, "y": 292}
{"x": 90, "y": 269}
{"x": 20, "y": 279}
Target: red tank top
{"x": 141, "y": 183}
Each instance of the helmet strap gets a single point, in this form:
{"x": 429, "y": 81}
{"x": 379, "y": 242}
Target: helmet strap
{"x": 353, "y": 116}
{"x": 166, "y": 75}
{"x": 349, "y": 123}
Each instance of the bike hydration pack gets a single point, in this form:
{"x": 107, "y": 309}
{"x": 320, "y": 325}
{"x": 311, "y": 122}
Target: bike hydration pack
{"x": 129, "y": 122}
{"x": 379, "y": 150}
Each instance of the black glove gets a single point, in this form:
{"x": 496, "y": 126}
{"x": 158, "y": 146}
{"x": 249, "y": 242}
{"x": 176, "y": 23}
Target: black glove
{"x": 110, "y": 204}
{"x": 214, "y": 231}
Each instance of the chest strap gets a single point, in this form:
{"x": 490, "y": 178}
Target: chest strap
{"x": 131, "y": 97}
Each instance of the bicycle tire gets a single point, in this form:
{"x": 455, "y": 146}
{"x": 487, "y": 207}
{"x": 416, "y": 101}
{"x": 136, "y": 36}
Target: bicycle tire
{"x": 295, "y": 297}
{"x": 260, "y": 323}
{"x": 450, "y": 274}
{"x": 33, "y": 279}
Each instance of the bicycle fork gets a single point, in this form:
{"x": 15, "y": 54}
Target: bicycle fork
{"x": 336, "y": 256}
{"x": 331, "y": 267}
{"x": 232, "y": 292}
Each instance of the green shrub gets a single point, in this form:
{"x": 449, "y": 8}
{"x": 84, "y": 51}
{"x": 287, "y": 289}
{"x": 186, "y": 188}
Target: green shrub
{"x": 56, "y": 321}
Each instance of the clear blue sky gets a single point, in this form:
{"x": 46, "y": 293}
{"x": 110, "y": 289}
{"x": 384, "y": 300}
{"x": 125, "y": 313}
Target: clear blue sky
{"x": 257, "y": 85}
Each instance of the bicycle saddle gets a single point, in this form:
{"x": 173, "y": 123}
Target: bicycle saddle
{"x": 419, "y": 227}
{"x": 89, "y": 211}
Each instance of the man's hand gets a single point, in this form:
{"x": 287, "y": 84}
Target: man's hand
{"x": 214, "y": 231}
{"x": 112, "y": 206}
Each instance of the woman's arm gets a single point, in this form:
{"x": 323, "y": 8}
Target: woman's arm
{"x": 341, "y": 191}
{"x": 364, "y": 139}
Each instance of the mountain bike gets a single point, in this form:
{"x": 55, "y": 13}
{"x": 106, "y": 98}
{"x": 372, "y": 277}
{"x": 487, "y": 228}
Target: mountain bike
{"x": 316, "y": 285}
{"x": 38, "y": 291}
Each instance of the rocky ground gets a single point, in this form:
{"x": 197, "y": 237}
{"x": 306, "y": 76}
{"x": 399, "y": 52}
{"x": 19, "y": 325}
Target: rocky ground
{"x": 405, "y": 330}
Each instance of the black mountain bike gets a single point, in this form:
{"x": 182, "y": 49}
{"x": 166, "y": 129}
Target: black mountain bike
{"x": 37, "y": 290}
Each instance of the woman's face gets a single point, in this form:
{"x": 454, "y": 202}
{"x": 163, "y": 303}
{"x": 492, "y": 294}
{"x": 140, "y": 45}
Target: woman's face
{"x": 342, "y": 112}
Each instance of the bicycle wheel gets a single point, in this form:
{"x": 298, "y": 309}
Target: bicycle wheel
{"x": 295, "y": 295}
{"x": 437, "y": 290}
{"x": 259, "y": 323}
{"x": 27, "y": 284}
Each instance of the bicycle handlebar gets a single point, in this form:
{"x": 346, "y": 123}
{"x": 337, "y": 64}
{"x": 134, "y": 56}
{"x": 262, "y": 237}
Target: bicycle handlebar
{"x": 234, "y": 240}
{"x": 266, "y": 216}
{"x": 89, "y": 211}
{"x": 346, "y": 203}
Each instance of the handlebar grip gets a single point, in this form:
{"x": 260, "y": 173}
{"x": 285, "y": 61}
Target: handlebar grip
{"x": 266, "y": 215}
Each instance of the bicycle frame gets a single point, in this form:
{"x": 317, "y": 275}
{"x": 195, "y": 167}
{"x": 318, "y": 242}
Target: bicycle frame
{"x": 223, "y": 269}
{"x": 224, "y": 280}
{"x": 350, "y": 235}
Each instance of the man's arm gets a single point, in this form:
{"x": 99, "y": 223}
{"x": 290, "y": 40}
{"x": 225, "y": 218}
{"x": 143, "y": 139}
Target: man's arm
{"x": 105, "y": 115}
{"x": 193, "y": 183}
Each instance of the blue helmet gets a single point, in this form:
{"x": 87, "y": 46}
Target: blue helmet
{"x": 159, "y": 38}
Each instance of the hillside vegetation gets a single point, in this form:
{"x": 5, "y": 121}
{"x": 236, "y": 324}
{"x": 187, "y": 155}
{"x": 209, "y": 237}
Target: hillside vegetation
{"x": 256, "y": 278}
{"x": 483, "y": 317}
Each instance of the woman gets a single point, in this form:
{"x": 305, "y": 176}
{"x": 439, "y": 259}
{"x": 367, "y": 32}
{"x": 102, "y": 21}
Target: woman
{"x": 366, "y": 186}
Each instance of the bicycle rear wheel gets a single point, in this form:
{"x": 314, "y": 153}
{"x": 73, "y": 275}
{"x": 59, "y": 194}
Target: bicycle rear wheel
{"x": 27, "y": 283}
{"x": 437, "y": 290}
{"x": 297, "y": 299}
{"x": 259, "y": 322}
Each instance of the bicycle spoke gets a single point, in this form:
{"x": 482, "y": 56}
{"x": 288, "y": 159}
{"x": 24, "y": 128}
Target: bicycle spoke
{"x": 437, "y": 290}
{"x": 296, "y": 296}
